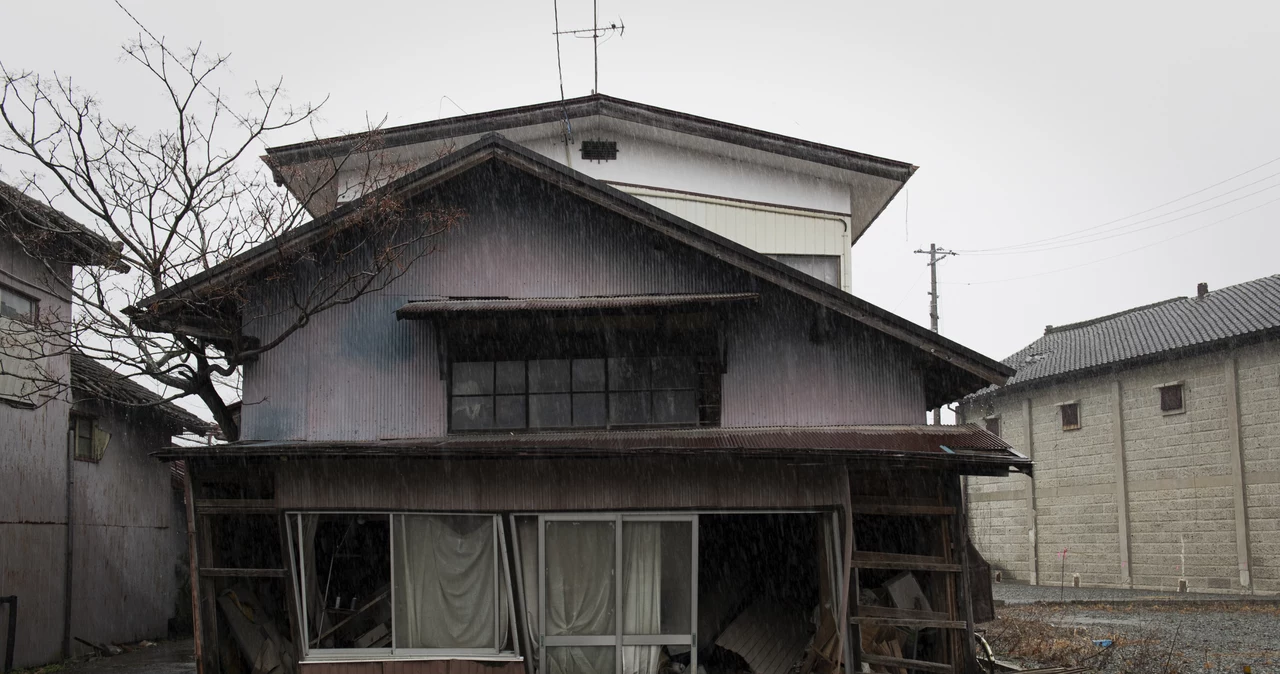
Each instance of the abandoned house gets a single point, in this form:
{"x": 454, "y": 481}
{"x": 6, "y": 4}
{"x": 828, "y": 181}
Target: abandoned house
{"x": 588, "y": 432}
{"x": 1154, "y": 432}
{"x": 90, "y": 536}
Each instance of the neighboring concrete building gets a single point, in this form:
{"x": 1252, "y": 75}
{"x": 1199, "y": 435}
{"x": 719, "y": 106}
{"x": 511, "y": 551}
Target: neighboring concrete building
{"x": 584, "y": 435}
{"x": 83, "y": 506}
{"x": 1156, "y": 439}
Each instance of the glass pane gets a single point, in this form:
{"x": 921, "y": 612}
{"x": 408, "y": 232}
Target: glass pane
{"x": 444, "y": 591}
{"x": 674, "y": 372}
{"x": 657, "y": 577}
{"x": 588, "y": 374}
{"x": 472, "y": 378}
{"x": 510, "y": 377}
{"x": 675, "y": 407}
{"x": 13, "y": 305}
{"x": 579, "y": 581}
{"x": 628, "y": 374}
{"x": 588, "y": 409}
{"x": 347, "y": 577}
{"x": 549, "y": 411}
{"x": 580, "y": 659}
{"x": 629, "y": 408}
{"x": 471, "y": 412}
{"x": 510, "y": 412}
{"x": 548, "y": 376}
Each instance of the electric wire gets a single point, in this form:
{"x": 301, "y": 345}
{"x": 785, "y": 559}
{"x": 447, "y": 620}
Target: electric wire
{"x": 1112, "y": 257}
{"x": 1131, "y": 215}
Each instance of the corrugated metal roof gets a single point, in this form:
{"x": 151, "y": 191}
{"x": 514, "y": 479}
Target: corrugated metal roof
{"x": 944, "y": 444}
{"x": 1234, "y": 312}
{"x": 91, "y": 380}
{"x": 424, "y": 308}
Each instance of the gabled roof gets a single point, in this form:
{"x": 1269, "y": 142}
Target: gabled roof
{"x": 1163, "y": 330}
{"x": 47, "y": 229}
{"x": 93, "y": 381}
{"x": 963, "y": 363}
{"x": 964, "y": 448}
{"x": 603, "y": 106}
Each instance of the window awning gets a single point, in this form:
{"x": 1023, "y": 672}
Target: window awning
{"x": 421, "y": 309}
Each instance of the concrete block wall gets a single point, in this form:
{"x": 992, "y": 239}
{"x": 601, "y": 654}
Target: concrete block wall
{"x": 1180, "y": 507}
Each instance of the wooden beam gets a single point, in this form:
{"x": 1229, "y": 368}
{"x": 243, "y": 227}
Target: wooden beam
{"x": 900, "y": 613}
{"x": 243, "y": 573}
{"x": 914, "y": 623}
{"x": 908, "y": 663}
{"x": 900, "y": 509}
{"x": 885, "y": 560}
{"x": 232, "y": 506}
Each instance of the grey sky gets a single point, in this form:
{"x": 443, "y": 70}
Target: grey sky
{"x": 1028, "y": 119}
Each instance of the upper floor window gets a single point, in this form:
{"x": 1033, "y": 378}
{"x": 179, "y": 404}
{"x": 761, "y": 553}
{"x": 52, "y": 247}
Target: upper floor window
{"x": 90, "y": 440}
{"x": 1171, "y": 397}
{"x": 993, "y": 425}
{"x": 564, "y": 393}
{"x": 1070, "y": 415}
{"x": 16, "y": 305}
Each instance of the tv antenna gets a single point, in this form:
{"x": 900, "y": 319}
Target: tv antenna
{"x": 595, "y": 32}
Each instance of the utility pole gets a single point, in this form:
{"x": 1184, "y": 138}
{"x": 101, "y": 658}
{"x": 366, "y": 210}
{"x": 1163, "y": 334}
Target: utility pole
{"x": 936, "y": 255}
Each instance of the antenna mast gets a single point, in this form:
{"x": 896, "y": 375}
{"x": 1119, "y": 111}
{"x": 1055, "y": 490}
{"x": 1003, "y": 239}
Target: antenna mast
{"x": 595, "y": 32}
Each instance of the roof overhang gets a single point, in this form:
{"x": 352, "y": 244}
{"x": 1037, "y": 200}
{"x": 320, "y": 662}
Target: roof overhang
{"x": 49, "y": 233}
{"x": 966, "y": 449}
{"x": 423, "y": 309}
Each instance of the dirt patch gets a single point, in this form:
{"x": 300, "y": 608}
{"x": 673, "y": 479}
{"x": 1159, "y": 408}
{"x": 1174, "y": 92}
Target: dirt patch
{"x": 1146, "y": 637}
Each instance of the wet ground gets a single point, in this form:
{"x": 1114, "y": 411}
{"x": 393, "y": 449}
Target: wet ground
{"x": 166, "y": 657}
{"x": 1155, "y": 632}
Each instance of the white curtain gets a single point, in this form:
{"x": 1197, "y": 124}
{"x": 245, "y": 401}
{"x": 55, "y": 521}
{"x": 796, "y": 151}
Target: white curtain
{"x": 580, "y": 594}
{"x": 642, "y": 593}
{"x": 443, "y": 570}
{"x": 311, "y": 590}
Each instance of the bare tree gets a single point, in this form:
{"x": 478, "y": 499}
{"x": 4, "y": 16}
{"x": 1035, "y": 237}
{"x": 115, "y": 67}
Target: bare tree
{"x": 181, "y": 200}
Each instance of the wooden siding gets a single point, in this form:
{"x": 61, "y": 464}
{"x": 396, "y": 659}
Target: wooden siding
{"x": 356, "y": 373}
{"x": 413, "y": 667}
{"x": 555, "y": 485}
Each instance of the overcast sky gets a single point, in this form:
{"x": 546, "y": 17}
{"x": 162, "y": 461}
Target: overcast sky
{"x": 1028, "y": 120}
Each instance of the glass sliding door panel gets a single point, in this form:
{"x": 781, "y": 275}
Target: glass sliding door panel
{"x": 580, "y": 596}
{"x": 581, "y": 659}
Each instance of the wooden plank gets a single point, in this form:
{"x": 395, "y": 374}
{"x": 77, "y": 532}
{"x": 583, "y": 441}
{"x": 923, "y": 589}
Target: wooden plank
{"x": 900, "y": 509}
{"x": 233, "y": 506}
{"x": 886, "y": 560}
{"x": 900, "y": 613}
{"x": 193, "y": 565}
{"x": 916, "y": 623}
{"x": 872, "y": 659}
{"x": 212, "y": 572}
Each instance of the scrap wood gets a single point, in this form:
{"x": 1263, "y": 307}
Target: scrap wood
{"x": 259, "y": 640}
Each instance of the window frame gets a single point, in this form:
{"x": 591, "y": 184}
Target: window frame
{"x": 1062, "y": 415}
{"x": 502, "y": 570}
{"x": 34, "y": 312}
{"x": 1182, "y": 397}
{"x": 93, "y": 454}
{"x": 607, "y": 390}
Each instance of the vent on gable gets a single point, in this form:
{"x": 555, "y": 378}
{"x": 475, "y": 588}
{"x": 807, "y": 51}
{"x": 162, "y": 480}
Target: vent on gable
{"x": 599, "y": 150}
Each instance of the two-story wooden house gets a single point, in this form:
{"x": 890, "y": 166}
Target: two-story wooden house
{"x": 584, "y": 434}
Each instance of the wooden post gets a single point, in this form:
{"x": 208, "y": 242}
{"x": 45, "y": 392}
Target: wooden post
{"x": 197, "y": 621}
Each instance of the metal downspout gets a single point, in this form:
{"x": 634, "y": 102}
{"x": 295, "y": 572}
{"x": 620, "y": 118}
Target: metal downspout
{"x": 70, "y": 543}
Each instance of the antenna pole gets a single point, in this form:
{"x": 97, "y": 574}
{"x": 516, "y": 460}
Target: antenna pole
{"x": 595, "y": 43}
{"x": 936, "y": 255}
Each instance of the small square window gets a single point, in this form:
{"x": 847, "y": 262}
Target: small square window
{"x": 1171, "y": 398}
{"x": 993, "y": 425}
{"x": 1070, "y": 416}
{"x": 90, "y": 441}
{"x": 15, "y": 305}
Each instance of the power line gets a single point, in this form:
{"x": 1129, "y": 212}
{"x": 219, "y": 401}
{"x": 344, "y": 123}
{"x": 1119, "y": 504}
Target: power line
{"x": 1132, "y": 215}
{"x": 1112, "y": 257}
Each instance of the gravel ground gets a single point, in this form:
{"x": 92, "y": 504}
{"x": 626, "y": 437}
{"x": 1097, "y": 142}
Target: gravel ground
{"x": 1190, "y": 632}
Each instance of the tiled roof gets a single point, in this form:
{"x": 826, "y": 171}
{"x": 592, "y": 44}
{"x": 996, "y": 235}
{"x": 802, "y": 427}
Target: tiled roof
{"x": 1237, "y": 311}
{"x": 91, "y": 380}
{"x": 36, "y": 221}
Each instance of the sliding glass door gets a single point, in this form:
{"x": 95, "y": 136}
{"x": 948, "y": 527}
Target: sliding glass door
{"x": 615, "y": 590}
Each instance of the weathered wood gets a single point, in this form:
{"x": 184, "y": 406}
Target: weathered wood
{"x": 915, "y": 623}
{"x": 193, "y": 567}
{"x": 900, "y": 613}
{"x": 214, "y": 572}
{"x": 886, "y": 560}
{"x": 372, "y": 602}
{"x": 226, "y": 506}
{"x": 872, "y": 659}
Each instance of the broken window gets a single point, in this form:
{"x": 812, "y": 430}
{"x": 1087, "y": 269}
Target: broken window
{"x": 1171, "y": 397}
{"x": 90, "y": 441}
{"x": 402, "y": 583}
